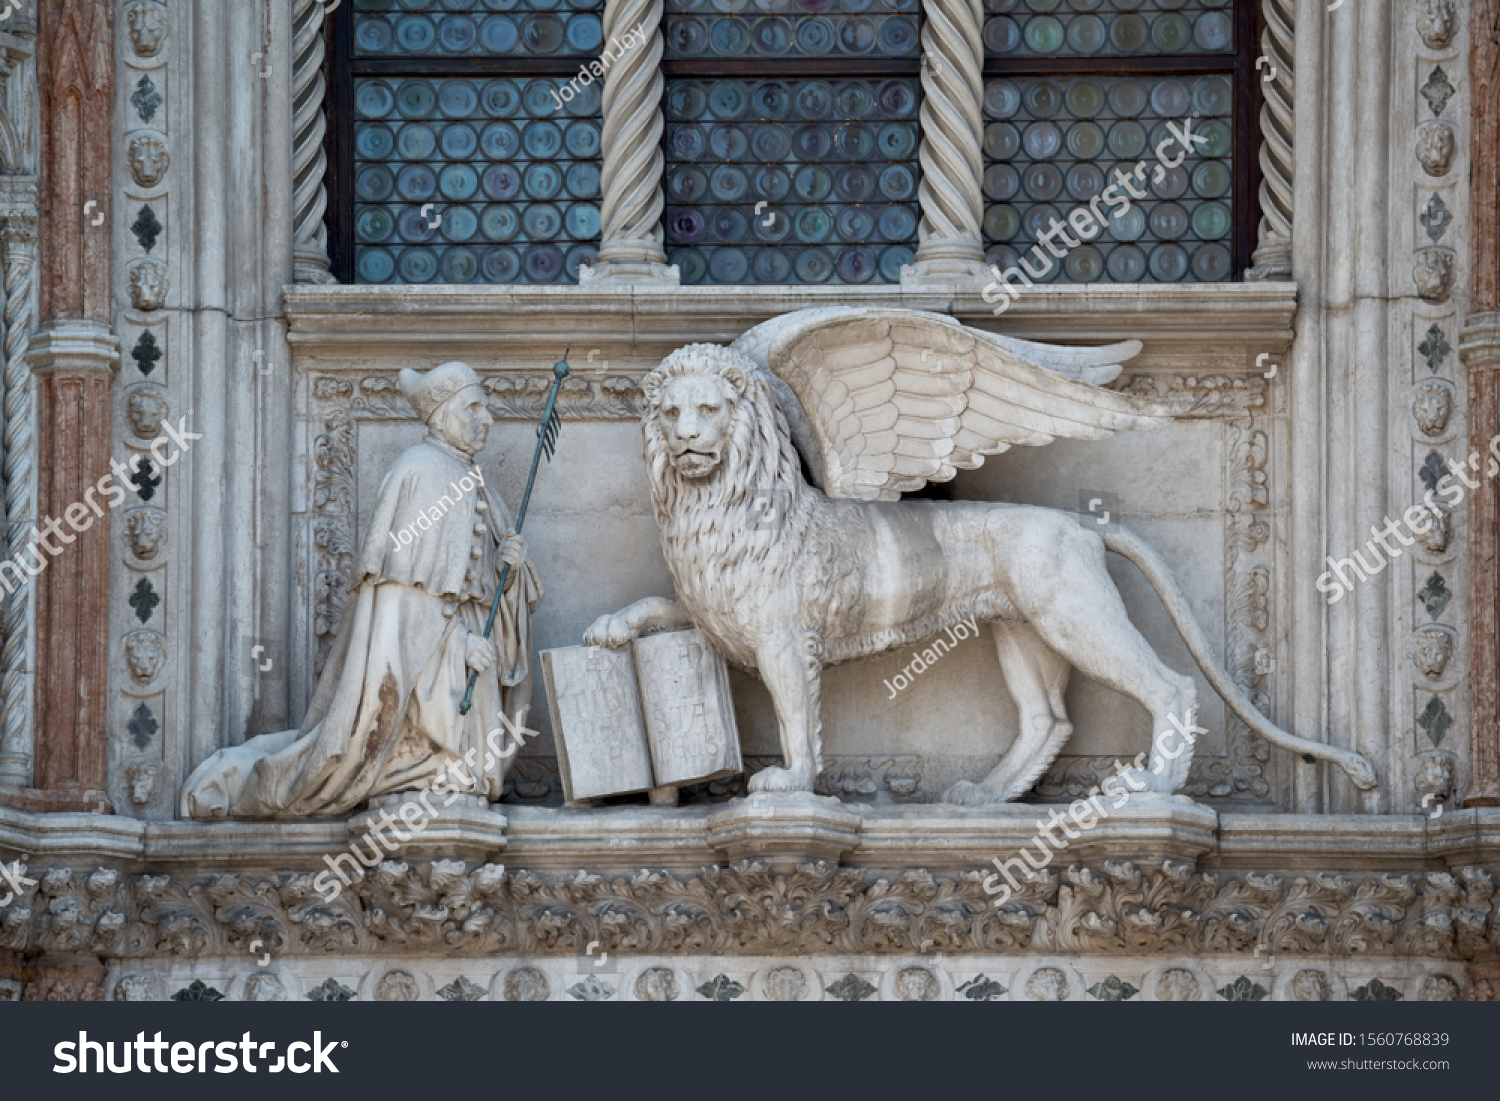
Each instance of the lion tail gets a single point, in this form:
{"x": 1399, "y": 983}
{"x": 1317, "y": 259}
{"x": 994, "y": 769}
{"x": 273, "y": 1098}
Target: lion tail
{"x": 1132, "y": 547}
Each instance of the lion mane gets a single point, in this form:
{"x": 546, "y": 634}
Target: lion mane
{"x": 753, "y": 525}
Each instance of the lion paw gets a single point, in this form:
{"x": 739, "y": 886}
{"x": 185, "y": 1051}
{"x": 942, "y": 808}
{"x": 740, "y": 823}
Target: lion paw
{"x": 612, "y": 631}
{"x": 781, "y": 779}
{"x": 1360, "y": 771}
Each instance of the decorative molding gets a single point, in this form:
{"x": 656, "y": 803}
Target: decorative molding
{"x": 139, "y": 720}
{"x": 447, "y": 908}
{"x": 1273, "y": 253}
{"x": 949, "y": 239}
{"x": 1241, "y": 772}
{"x": 309, "y": 159}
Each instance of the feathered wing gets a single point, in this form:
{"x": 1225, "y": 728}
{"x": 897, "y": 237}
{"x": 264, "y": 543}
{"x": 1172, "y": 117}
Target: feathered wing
{"x": 889, "y": 400}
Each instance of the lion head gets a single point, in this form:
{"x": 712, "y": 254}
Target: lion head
{"x": 713, "y": 432}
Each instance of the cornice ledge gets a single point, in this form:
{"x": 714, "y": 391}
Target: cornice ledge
{"x": 392, "y": 321}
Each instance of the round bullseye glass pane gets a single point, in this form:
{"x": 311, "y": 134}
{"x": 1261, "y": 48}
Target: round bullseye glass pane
{"x": 1126, "y": 264}
{"x": 417, "y": 265}
{"x": 542, "y": 264}
{"x": 498, "y": 35}
{"x": 501, "y": 265}
{"x": 375, "y": 265}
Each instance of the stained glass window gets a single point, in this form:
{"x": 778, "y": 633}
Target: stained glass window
{"x": 1079, "y": 93}
{"x": 1107, "y": 28}
{"x": 791, "y": 140}
{"x": 468, "y": 143}
{"x": 475, "y": 140}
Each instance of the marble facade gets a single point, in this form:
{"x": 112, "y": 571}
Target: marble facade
{"x": 1324, "y": 392}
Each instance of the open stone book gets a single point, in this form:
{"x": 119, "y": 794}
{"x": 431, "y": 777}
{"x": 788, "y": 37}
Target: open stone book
{"x": 655, "y": 714}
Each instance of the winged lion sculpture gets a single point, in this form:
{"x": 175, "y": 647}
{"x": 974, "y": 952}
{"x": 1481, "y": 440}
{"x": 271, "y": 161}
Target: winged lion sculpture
{"x": 877, "y": 403}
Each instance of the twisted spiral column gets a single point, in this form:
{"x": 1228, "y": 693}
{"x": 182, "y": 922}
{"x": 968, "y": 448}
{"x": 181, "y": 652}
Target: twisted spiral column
{"x": 1273, "y": 253}
{"x": 309, "y": 161}
{"x": 630, "y": 213}
{"x": 952, "y": 131}
{"x": 19, "y": 235}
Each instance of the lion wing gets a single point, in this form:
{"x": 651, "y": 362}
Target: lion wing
{"x": 893, "y": 399}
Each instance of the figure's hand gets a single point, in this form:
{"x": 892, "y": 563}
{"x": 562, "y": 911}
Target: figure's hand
{"x": 612, "y": 631}
{"x": 513, "y": 551}
{"x": 512, "y": 554}
{"x": 479, "y": 653}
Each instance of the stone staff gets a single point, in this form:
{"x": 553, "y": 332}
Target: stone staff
{"x": 546, "y": 442}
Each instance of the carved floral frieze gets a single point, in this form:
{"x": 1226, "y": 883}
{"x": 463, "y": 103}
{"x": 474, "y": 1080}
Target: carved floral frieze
{"x": 448, "y": 908}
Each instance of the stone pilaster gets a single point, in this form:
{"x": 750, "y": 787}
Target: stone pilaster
{"x": 72, "y": 357}
{"x": 630, "y": 248}
{"x": 1479, "y": 347}
{"x": 950, "y": 242}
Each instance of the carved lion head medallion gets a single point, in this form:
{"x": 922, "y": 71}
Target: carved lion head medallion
{"x": 264, "y": 987}
{"x": 1177, "y": 984}
{"x": 1434, "y": 778}
{"x": 1439, "y": 988}
{"x": 527, "y": 984}
{"x": 1432, "y": 406}
{"x": 1048, "y": 984}
{"x": 1310, "y": 985}
{"x": 1433, "y": 274}
{"x": 145, "y": 531}
{"x": 145, "y": 409}
{"x": 148, "y": 285}
{"x": 786, "y": 984}
{"x": 148, "y": 157}
{"x": 917, "y": 984}
{"x": 1435, "y": 148}
{"x": 1435, "y": 21}
{"x": 1439, "y": 530}
{"x": 141, "y": 777}
{"x": 148, "y": 28}
{"x": 145, "y": 651}
{"x": 397, "y": 986}
{"x": 1432, "y": 650}
{"x": 657, "y": 984}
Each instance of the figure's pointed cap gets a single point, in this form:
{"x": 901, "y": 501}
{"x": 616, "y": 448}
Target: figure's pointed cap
{"x": 427, "y": 392}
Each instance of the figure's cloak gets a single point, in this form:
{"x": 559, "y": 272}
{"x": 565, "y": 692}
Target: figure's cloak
{"x": 385, "y": 716}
